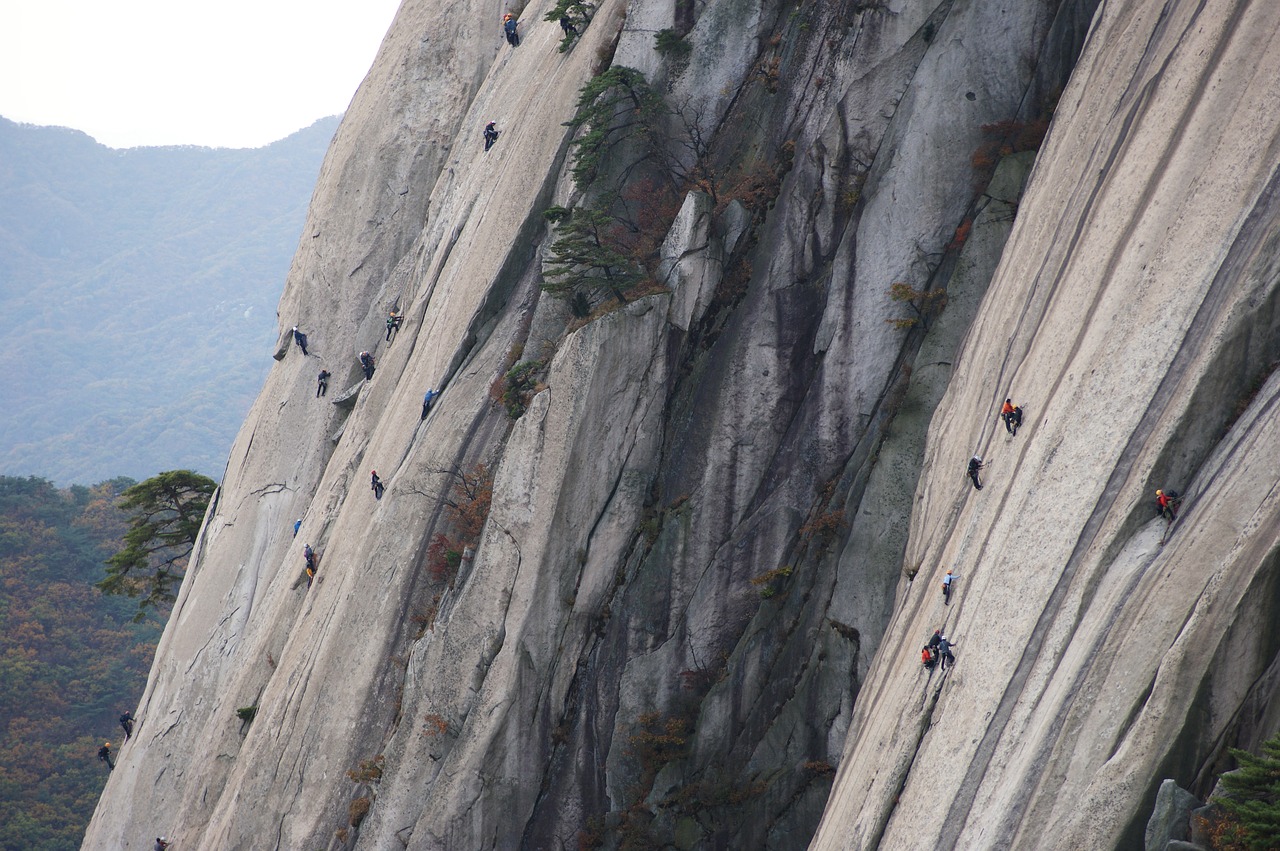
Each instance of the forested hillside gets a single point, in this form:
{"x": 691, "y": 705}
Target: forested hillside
{"x": 71, "y": 660}
{"x": 137, "y": 296}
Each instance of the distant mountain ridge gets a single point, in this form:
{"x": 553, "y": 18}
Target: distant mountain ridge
{"x": 137, "y": 296}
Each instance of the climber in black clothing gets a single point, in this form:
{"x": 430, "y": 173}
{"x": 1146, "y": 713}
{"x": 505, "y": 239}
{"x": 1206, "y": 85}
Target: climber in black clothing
{"x": 566, "y": 24}
{"x": 490, "y": 135}
{"x": 322, "y": 383}
{"x": 376, "y": 484}
{"x": 126, "y": 721}
{"x": 300, "y": 339}
{"x": 975, "y": 464}
{"x": 366, "y": 361}
{"x": 104, "y": 754}
{"x": 509, "y": 24}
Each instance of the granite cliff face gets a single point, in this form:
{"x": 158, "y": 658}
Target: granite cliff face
{"x": 691, "y": 577}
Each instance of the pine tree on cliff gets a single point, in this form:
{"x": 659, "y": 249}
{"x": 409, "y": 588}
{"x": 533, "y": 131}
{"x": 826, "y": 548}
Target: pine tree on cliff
{"x": 574, "y": 12}
{"x": 166, "y": 512}
{"x": 585, "y": 262}
{"x": 588, "y": 257}
{"x": 613, "y": 107}
{"x": 1253, "y": 795}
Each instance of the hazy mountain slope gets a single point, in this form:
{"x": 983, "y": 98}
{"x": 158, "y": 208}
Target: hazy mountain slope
{"x": 135, "y": 288}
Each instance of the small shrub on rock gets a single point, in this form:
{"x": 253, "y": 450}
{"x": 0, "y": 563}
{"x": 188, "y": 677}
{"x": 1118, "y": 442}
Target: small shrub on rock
{"x": 925, "y": 304}
{"x": 369, "y": 770}
{"x": 358, "y": 810}
{"x": 671, "y": 45}
{"x": 520, "y": 383}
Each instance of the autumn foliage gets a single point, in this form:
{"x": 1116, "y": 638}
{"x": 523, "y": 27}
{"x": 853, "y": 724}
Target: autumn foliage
{"x": 71, "y": 660}
{"x": 1002, "y": 138}
{"x": 467, "y": 506}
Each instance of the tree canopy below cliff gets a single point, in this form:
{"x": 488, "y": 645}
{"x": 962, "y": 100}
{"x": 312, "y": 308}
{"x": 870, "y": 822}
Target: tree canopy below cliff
{"x": 71, "y": 659}
{"x": 137, "y": 296}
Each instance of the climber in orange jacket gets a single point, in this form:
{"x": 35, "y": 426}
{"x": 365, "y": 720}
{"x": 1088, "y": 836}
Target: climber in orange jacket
{"x": 1012, "y": 416}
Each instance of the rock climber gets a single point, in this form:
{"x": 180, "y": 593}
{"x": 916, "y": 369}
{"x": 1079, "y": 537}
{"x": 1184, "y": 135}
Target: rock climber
{"x": 975, "y": 464}
{"x": 161, "y": 844}
{"x": 309, "y": 556}
{"x": 427, "y": 399}
{"x": 376, "y": 484}
{"x": 927, "y": 657}
{"x": 322, "y": 383}
{"x": 944, "y": 652}
{"x": 297, "y": 524}
{"x": 935, "y": 639}
{"x": 1016, "y": 418}
{"x": 1006, "y": 414}
{"x": 393, "y": 324}
{"x": 126, "y": 721}
{"x": 509, "y": 24}
{"x": 104, "y": 754}
{"x": 366, "y": 361}
{"x": 946, "y": 588}
{"x": 566, "y": 24}
{"x": 300, "y": 339}
{"x": 490, "y": 135}
{"x": 1167, "y": 503}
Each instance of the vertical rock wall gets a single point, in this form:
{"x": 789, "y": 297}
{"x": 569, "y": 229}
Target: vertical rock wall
{"x": 695, "y": 576}
{"x": 1099, "y": 650}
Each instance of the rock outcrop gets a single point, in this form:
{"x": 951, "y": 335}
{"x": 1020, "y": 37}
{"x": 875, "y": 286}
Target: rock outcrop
{"x": 1171, "y": 818}
{"x": 649, "y": 577}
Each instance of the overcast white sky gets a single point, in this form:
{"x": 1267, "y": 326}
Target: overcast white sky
{"x": 233, "y": 73}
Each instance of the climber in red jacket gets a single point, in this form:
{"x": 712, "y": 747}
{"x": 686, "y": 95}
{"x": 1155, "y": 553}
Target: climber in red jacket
{"x": 1167, "y": 503}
